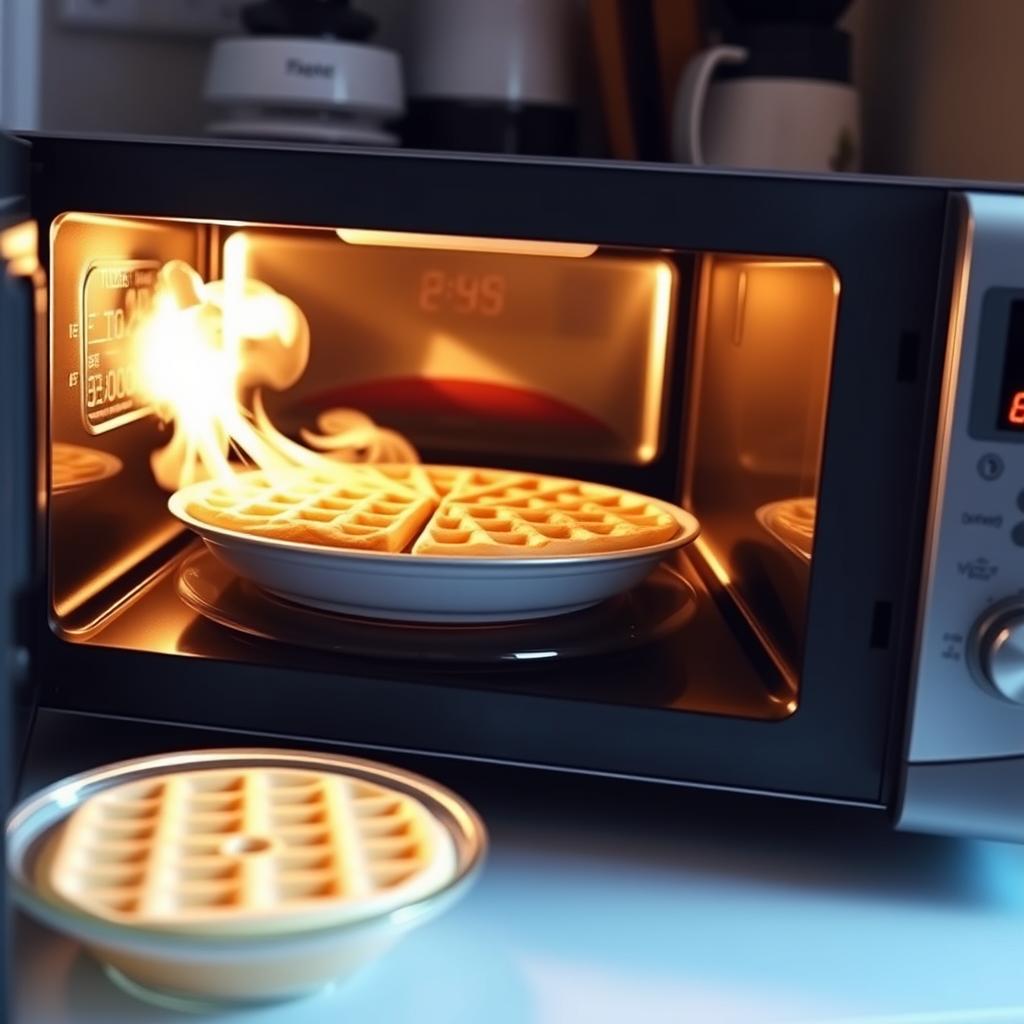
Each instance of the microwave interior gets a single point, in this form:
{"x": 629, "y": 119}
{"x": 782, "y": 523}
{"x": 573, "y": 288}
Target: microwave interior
{"x": 700, "y": 378}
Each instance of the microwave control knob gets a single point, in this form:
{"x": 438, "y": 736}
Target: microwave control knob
{"x": 998, "y": 651}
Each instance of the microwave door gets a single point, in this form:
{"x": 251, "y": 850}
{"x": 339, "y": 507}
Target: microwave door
{"x": 22, "y": 322}
{"x": 194, "y": 199}
{"x": 19, "y": 324}
{"x": 964, "y": 769}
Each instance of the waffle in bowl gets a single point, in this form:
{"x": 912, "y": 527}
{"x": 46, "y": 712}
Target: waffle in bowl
{"x": 206, "y": 878}
{"x": 435, "y": 510}
{"x": 445, "y": 544}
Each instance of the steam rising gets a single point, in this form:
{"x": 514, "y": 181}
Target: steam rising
{"x": 203, "y": 345}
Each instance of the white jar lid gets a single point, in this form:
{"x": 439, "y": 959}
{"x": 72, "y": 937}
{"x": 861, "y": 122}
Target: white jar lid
{"x": 310, "y": 74}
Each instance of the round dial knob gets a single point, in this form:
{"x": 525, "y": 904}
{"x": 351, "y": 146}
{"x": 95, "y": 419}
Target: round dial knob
{"x": 999, "y": 651}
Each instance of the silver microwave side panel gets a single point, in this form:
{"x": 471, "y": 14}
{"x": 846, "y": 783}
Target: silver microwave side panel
{"x": 964, "y": 770}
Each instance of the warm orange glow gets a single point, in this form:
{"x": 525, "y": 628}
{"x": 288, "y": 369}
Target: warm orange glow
{"x": 720, "y": 571}
{"x": 115, "y": 571}
{"x": 19, "y": 246}
{"x": 664, "y": 279}
{"x": 759, "y": 378}
{"x": 1016, "y": 413}
{"x": 466, "y": 243}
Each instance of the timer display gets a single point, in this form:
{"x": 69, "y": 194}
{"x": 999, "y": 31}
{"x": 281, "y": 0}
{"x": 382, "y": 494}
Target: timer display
{"x": 1011, "y": 389}
{"x": 114, "y": 294}
{"x": 461, "y": 292}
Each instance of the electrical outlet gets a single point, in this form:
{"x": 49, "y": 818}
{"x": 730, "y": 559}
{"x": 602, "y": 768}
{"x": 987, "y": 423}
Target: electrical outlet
{"x": 154, "y": 17}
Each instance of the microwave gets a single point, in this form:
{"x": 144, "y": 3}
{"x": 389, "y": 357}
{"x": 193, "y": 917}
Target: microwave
{"x": 828, "y": 372}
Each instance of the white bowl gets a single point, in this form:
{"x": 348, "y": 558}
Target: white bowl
{"x": 432, "y": 588}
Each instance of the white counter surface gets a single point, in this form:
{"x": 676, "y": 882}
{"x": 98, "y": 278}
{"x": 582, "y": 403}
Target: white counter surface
{"x": 611, "y": 902}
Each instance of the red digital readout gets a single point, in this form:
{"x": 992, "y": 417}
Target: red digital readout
{"x": 1016, "y": 412}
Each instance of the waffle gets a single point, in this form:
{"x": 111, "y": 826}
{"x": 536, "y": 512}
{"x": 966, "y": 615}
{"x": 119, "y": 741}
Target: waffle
{"x": 532, "y": 515}
{"x": 246, "y": 851}
{"x": 436, "y": 510}
{"x": 467, "y": 482}
{"x": 438, "y": 481}
{"x": 360, "y": 508}
{"x": 72, "y": 466}
{"x": 411, "y": 476}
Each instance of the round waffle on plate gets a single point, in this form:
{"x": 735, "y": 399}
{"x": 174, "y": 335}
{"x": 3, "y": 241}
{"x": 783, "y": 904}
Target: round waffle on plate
{"x": 247, "y": 851}
{"x": 433, "y": 543}
{"x": 221, "y": 876}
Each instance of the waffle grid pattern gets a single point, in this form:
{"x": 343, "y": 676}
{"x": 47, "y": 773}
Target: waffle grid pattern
{"x": 437, "y": 510}
{"x": 248, "y": 851}
{"x": 546, "y": 516}
{"x": 318, "y": 508}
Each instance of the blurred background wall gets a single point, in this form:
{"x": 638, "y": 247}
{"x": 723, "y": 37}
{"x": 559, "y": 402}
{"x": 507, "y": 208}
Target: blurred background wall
{"x": 941, "y": 84}
{"x": 941, "y": 81}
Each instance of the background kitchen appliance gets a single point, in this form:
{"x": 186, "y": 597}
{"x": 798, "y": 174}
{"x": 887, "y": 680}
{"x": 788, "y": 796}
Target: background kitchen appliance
{"x": 827, "y": 372}
{"x": 305, "y": 72}
{"x": 493, "y": 76}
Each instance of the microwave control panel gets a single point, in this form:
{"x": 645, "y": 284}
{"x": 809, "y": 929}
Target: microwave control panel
{"x": 968, "y": 702}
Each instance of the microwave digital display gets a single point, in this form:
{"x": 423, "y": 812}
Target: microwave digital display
{"x": 114, "y": 294}
{"x": 465, "y": 293}
{"x": 1011, "y": 388}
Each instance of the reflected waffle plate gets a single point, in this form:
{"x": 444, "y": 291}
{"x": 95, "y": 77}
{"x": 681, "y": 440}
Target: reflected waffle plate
{"x": 791, "y": 523}
{"x": 73, "y": 466}
{"x": 433, "y": 543}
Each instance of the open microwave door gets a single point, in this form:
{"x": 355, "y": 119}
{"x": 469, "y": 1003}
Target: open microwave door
{"x": 20, "y": 320}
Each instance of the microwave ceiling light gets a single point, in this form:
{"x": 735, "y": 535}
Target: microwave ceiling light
{"x": 466, "y": 243}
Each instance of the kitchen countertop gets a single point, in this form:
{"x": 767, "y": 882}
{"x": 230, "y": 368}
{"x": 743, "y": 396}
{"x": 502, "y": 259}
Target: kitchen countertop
{"x": 607, "y": 901}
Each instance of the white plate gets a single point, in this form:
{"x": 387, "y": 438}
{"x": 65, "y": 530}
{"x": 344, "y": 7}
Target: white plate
{"x": 432, "y": 588}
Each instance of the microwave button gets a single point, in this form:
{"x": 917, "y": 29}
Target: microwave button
{"x": 990, "y": 466}
{"x": 997, "y": 651}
